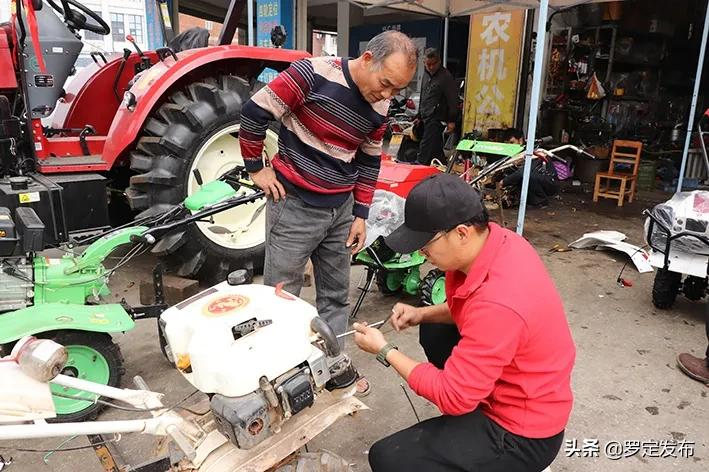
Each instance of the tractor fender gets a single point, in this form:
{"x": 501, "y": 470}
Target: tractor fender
{"x": 109, "y": 318}
{"x": 156, "y": 83}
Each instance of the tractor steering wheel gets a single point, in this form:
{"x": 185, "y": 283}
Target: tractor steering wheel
{"x": 78, "y": 21}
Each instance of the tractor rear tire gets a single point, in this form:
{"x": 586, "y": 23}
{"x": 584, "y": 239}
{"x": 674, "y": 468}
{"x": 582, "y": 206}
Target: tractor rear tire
{"x": 197, "y": 128}
{"x": 93, "y": 357}
{"x": 665, "y": 288}
{"x": 694, "y": 288}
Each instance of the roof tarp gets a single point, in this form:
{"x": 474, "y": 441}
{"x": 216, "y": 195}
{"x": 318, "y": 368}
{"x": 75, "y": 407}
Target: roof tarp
{"x": 467, "y": 7}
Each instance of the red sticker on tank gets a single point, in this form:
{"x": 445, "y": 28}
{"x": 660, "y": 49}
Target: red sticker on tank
{"x": 226, "y": 304}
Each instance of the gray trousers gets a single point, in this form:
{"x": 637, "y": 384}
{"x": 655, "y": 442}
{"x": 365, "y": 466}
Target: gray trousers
{"x": 296, "y": 231}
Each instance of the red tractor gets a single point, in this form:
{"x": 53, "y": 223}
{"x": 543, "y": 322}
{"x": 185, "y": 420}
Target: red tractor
{"x": 141, "y": 131}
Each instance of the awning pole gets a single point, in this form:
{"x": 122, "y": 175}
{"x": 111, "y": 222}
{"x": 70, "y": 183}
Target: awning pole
{"x": 250, "y": 20}
{"x": 695, "y": 96}
{"x": 533, "y": 109}
{"x": 446, "y": 23}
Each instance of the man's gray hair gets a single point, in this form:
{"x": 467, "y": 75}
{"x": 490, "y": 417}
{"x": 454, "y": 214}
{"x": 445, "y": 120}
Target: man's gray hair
{"x": 432, "y": 53}
{"x": 389, "y": 42}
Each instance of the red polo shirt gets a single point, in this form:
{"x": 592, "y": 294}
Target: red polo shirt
{"x": 516, "y": 353}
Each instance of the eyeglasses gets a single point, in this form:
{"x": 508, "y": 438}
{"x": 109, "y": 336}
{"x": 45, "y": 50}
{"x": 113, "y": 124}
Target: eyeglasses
{"x": 435, "y": 238}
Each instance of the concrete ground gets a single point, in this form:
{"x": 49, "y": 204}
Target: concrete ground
{"x": 626, "y": 383}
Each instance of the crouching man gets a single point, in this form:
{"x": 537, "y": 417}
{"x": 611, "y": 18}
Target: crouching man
{"x": 504, "y": 389}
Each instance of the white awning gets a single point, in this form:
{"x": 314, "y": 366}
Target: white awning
{"x": 466, "y": 7}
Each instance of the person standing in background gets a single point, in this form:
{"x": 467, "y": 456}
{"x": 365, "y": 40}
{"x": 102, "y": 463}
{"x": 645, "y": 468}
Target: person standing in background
{"x": 438, "y": 107}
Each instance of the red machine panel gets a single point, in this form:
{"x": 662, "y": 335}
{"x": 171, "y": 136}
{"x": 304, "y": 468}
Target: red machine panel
{"x": 90, "y": 99}
{"x": 401, "y": 178}
{"x": 8, "y": 80}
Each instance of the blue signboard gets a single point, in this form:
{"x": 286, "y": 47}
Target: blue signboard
{"x": 152, "y": 20}
{"x": 271, "y": 13}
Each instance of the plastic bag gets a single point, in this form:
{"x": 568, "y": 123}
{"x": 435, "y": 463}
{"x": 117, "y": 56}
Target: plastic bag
{"x": 385, "y": 215}
{"x": 595, "y": 89}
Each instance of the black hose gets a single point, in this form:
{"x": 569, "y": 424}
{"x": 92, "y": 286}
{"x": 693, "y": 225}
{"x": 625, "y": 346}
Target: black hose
{"x": 332, "y": 346}
{"x": 21, "y": 24}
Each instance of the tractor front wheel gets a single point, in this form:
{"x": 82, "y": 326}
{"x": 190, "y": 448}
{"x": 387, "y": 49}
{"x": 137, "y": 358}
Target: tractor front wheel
{"x": 665, "y": 288}
{"x": 433, "y": 288}
{"x": 197, "y": 129}
{"x": 93, "y": 357}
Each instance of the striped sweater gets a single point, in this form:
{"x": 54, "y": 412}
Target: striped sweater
{"x": 330, "y": 140}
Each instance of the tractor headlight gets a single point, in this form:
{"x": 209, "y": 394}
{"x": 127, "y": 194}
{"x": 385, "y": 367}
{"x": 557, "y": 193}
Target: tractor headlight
{"x": 129, "y": 101}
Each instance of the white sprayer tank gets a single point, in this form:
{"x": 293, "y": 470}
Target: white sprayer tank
{"x": 201, "y": 328}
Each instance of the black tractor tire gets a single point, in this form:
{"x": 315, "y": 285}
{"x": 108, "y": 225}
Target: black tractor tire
{"x": 169, "y": 143}
{"x": 427, "y": 286}
{"x": 101, "y": 343}
{"x": 694, "y": 288}
{"x": 665, "y": 288}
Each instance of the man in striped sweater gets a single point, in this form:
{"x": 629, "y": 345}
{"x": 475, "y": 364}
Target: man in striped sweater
{"x": 321, "y": 182}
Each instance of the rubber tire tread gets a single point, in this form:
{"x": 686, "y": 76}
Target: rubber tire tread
{"x": 427, "y": 286}
{"x": 189, "y": 117}
{"x": 665, "y": 288}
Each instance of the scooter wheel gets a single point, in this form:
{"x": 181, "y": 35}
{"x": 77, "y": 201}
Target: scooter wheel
{"x": 665, "y": 288}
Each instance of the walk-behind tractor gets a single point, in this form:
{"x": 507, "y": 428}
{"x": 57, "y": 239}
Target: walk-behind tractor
{"x": 62, "y": 298}
{"x": 262, "y": 403}
{"x": 393, "y": 272}
{"x": 133, "y": 127}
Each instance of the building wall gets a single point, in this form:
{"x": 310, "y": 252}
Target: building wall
{"x": 4, "y": 10}
{"x": 324, "y": 43}
{"x": 124, "y": 17}
{"x": 214, "y": 27}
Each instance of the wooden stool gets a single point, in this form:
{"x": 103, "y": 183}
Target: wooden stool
{"x": 617, "y": 184}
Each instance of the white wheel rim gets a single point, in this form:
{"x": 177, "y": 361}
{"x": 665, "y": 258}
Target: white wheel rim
{"x": 232, "y": 229}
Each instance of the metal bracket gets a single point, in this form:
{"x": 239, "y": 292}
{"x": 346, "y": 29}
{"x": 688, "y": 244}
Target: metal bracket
{"x": 106, "y": 455}
{"x": 88, "y": 130}
{"x": 242, "y": 329}
{"x": 164, "y": 52}
{"x": 159, "y": 305}
{"x": 95, "y": 54}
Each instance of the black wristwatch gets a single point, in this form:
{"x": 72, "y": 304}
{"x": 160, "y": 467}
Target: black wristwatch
{"x": 382, "y": 355}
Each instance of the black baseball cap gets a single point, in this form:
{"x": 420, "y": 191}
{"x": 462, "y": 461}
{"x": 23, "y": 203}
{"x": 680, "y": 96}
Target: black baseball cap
{"x": 438, "y": 203}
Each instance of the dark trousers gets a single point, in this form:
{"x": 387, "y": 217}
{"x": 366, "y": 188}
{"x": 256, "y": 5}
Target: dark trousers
{"x": 470, "y": 442}
{"x": 431, "y": 146}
